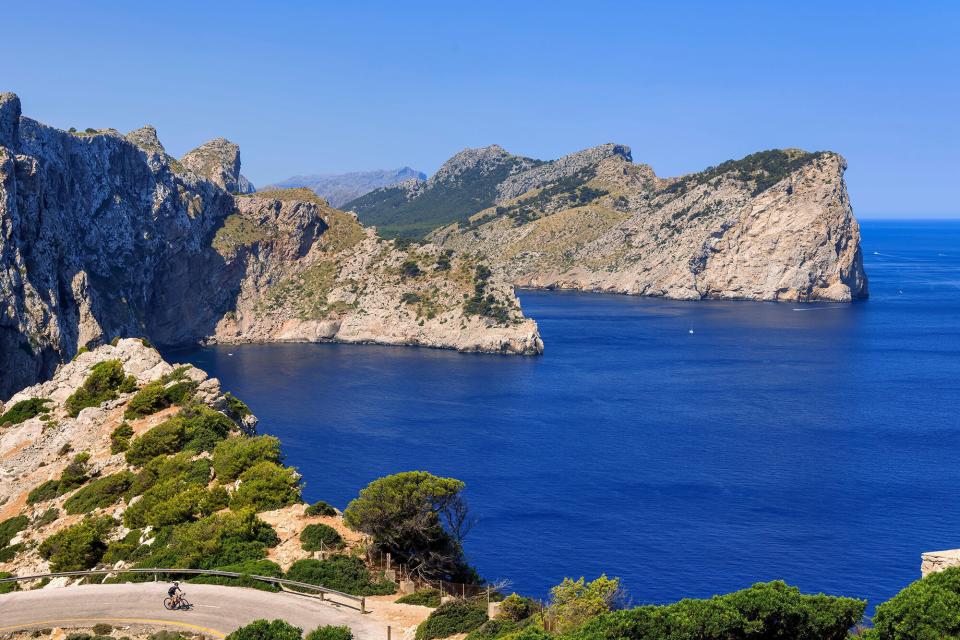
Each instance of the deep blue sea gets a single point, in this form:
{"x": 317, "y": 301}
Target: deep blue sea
{"x": 691, "y": 448}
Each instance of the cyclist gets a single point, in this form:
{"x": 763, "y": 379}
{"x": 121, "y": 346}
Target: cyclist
{"x": 174, "y": 592}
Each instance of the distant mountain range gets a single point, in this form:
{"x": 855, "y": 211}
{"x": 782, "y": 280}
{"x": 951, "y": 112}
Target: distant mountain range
{"x": 340, "y": 188}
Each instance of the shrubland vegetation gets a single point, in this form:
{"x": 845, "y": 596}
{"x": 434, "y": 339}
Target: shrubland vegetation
{"x": 459, "y": 616}
{"x": 24, "y": 410}
{"x": 73, "y": 476}
{"x": 342, "y": 573}
{"x": 483, "y": 303}
{"x": 320, "y": 537}
{"x": 762, "y": 169}
{"x": 105, "y": 381}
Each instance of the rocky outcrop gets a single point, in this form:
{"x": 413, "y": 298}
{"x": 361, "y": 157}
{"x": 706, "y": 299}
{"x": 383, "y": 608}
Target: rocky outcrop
{"x": 339, "y": 189}
{"x": 104, "y": 235}
{"x": 776, "y": 225}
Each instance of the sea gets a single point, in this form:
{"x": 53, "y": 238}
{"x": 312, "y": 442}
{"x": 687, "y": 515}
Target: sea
{"x": 688, "y": 448}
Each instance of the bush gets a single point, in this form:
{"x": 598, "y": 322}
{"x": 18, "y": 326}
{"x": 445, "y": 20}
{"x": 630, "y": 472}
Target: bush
{"x": 248, "y": 568}
{"x": 263, "y": 630}
{"x": 451, "y": 618}
{"x": 159, "y": 394}
{"x": 765, "y": 610}
{"x": 233, "y": 456}
{"x": 496, "y": 628}
{"x": 341, "y": 573}
{"x": 101, "y": 385}
{"x": 410, "y": 269}
{"x": 100, "y": 493}
{"x": 330, "y": 632}
{"x": 214, "y": 541}
{"x": 24, "y": 410}
{"x": 181, "y": 467}
{"x": 267, "y": 486}
{"x": 77, "y": 547}
{"x": 320, "y": 508}
{"x": 165, "y": 438}
{"x": 72, "y": 476}
{"x": 319, "y": 537}
{"x": 120, "y": 438}
{"x": 926, "y": 608}
{"x": 175, "y": 501}
{"x": 204, "y": 427}
{"x": 11, "y": 527}
{"x": 7, "y": 587}
{"x": 102, "y": 629}
{"x": 576, "y": 601}
{"x": 516, "y": 608}
{"x": 47, "y": 517}
{"x": 424, "y": 598}
{"x": 237, "y": 408}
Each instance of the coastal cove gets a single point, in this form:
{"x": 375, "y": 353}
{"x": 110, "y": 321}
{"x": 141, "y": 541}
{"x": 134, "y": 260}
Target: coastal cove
{"x": 691, "y": 448}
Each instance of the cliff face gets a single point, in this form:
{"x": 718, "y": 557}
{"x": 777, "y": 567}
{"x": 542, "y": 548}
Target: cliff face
{"x": 776, "y": 225}
{"x": 104, "y": 235}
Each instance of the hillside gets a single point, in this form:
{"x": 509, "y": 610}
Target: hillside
{"x": 106, "y": 235}
{"x": 775, "y": 225}
{"x": 340, "y": 188}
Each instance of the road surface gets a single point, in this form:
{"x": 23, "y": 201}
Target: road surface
{"x": 217, "y": 610}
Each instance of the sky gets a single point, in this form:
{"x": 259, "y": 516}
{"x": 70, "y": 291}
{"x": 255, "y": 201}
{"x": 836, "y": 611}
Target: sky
{"x": 313, "y": 87}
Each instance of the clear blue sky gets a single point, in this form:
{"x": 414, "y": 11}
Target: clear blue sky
{"x": 317, "y": 87}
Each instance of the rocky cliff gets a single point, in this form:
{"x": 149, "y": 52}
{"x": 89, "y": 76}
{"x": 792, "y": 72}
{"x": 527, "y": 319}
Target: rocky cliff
{"x": 339, "y": 189}
{"x": 104, "y": 235}
{"x": 776, "y": 225}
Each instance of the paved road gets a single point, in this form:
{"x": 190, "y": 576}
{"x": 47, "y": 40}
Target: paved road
{"x": 217, "y": 610}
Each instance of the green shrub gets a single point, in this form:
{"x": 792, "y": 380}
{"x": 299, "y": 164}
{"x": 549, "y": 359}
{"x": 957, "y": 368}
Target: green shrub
{"x": 124, "y": 548}
{"x": 451, "y": 618}
{"x": 765, "y": 610}
{"x": 72, "y": 476}
{"x": 181, "y": 467}
{"x": 263, "y": 630}
{"x": 496, "y": 628}
{"x": 165, "y": 438}
{"x": 47, "y": 517}
{"x": 100, "y": 493}
{"x": 24, "y": 410}
{"x": 11, "y": 527}
{"x": 7, "y": 587}
{"x": 101, "y": 385}
{"x": 233, "y": 456}
{"x": 320, "y": 537}
{"x": 330, "y": 632}
{"x": 175, "y": 501}
{"x": 248, "y": 568}
{"x": 204, "y": 427}
{"x": 341, "y": 573}
{"x": 77, "y": 547}
{"x": 926, "y": 608}
{"x": 102, "y": 629}
{"x": 267, "y": 486}
{"x": 150, "y": 399}
{"x": 237, "y": 408}
{"x": 576, "y": 601}
{"x": 214, "y": 541}
{"x": 120, "y": 438}
{"x": 320, "y": 508}
{"x": 424, "y": 598}
{"x": 9, "y": 553}
{"x": 166, "y": 634}
{"x": 45, "y": 491}
{"x": 516, "y": 608}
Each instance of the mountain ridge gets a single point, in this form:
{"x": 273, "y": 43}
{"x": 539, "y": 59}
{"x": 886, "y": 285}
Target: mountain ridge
{"x": 340, "y": 188}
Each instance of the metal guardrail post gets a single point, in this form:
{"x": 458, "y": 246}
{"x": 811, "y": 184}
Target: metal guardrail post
{"x": 363, "y": 605}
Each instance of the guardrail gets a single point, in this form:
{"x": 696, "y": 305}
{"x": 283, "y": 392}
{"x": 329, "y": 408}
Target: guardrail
{"x": 279, "y": 582}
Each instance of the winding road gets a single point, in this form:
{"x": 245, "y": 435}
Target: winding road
{"x": 216, "y": 611}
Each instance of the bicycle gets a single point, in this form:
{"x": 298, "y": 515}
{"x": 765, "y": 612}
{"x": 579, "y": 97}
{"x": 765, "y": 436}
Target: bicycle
{"x": 176, "y": 602}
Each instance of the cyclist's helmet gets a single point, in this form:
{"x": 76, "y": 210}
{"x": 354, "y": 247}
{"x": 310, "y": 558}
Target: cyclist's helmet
{"x": 176, "y": 584}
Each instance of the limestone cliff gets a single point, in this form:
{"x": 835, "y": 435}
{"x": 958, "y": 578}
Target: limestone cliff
{"x": 776, "y": 225}
{"x": 104, "y": 235}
